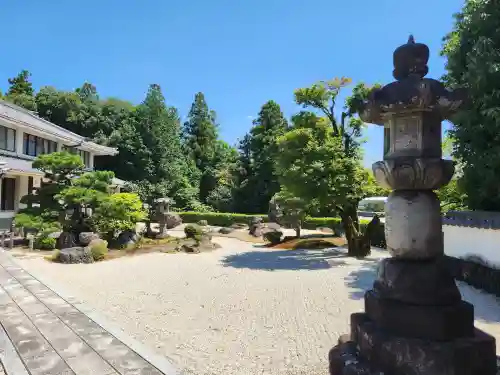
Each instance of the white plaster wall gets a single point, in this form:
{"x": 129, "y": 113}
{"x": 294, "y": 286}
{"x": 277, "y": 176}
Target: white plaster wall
{"x": 465, "y": 241}
{"x": 21, "y": 190}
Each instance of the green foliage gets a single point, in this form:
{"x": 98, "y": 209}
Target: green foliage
{"x": 473, "y": 60}
{"x": 221, "y": 219}
{"x": 66, "y": 187}
{"x": 370, "y": 187}
{"x": 257, "y": 179}
{"x": 99, "y": 250}
{"x": 21, "y": 91}
{"x": 119, "y": 212}
{"x": 202, "y": 223}
{"x": 21, "y": 84}
{"x": 45, "y": 209}
{"x": 313, "y": 166}
{"x": 294, "y": 209}
{"x": 45, "y": 243}
{"x": 452, "y": 196}
{"x": 193, "y": 231}
{"x": 35, "y": 222}
{"x": 212, "y": 160}
{"x": 319, "y": 158}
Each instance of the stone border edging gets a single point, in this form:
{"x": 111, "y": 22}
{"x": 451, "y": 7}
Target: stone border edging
{"x": 162, "y": 363}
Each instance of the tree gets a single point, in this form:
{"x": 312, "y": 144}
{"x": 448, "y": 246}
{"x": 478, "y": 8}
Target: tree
{"x": 21, "y": 91}
{"x": 371, "y": 188}
{"x": 159, "y": 127}
{"x": 20, "y": 84}
{"x": 473, "y": 56}
{"x": 85, "y": 194}
{"x": 201, "y": 142}
{"x": 293, "y": 209}
{"x": 319, "y": 158}
{"x": 452, "y": 196}
{"x": 225, "y": 165}
{"x": 45, "y": 210}
{"x": 200, "y": 132}
{"x": 88, "y": 93}
{"x": 258, "y": 177}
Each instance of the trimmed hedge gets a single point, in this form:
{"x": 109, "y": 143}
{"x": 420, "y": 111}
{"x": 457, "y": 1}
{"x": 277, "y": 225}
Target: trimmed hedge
{"x": 224, "y": 219}
{"x": 219, "y": 219}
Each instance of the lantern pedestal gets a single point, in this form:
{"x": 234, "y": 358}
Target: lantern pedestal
{"x": 372, "y": 350}
{"x": 415, "y": 321}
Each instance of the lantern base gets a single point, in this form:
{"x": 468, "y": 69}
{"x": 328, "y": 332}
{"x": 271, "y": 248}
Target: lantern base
{"x": 373, "y": 351}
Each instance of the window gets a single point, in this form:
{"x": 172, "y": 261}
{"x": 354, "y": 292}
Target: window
{"x": 7, "y": 139}
{"x": 34, "y": 146}
{"x": 8, "y": 194}
{"x": 85, "y": 155}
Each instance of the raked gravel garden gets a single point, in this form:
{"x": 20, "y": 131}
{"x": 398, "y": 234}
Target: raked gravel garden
{"x": 241, "y": 309}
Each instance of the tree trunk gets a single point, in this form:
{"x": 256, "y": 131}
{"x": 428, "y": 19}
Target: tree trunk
{"x": 297, "y": 230}
{"x": 358, "y": 245}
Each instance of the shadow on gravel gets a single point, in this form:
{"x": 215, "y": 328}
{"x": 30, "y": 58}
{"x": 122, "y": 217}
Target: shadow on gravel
{"x": 286, "y": 260}
{"x": 361, "y": 280}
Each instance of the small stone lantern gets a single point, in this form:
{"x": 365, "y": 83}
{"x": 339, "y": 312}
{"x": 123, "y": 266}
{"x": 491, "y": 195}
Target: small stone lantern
{"x": 162, "y": 211}
{"x": 415, "y": 321}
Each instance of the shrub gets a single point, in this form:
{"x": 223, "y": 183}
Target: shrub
{"x": 193, "y": 231}
{"x": 45, "y": 243}
{"x": 119, "y": 212}
{"x": 273, "y": 237}
{"x": 99, "y": 250}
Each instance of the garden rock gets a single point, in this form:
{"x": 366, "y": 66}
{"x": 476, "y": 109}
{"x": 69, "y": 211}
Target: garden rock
{"x": 224, "y": 230}
{"x": 74, "y": 255}
{"x": 256, "y": 227}
{"x": 275, "y": 213}
{"x": 66, "y": 240}
{"x": 127, "y": 238}
{"x": 206, "y": 241}
{"x": 172, "y": 220}
{"x": 273, "y": 236}
{"x": 273, "y": 226}
{"x": 86, "y": 237}
{"x": 190, "y": 248}
{"x": 239, "y": 226}
{"x": 54, "y": 235}
{"x": 97, "y": 242}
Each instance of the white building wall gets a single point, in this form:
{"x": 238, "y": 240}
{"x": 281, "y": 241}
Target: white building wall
{"x": 461, "y": 241}
{"x": 21, "y": 190}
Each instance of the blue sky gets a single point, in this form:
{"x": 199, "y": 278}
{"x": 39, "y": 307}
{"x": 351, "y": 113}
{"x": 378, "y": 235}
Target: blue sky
{"x": 239, "y": 53}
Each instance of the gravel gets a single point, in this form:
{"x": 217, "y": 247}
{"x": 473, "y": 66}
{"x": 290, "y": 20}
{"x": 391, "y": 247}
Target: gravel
{"x": 237, "y": 310}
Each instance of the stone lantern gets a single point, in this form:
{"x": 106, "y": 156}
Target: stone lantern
{"x": 162, "y": 211}
{"x": 415, "y": 321}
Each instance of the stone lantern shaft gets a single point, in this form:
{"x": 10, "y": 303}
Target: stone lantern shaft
{"x": 415, "y": 321}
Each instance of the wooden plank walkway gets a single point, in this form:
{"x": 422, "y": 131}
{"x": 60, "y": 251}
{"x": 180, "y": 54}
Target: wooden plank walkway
{"x": 42, "y": 333}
